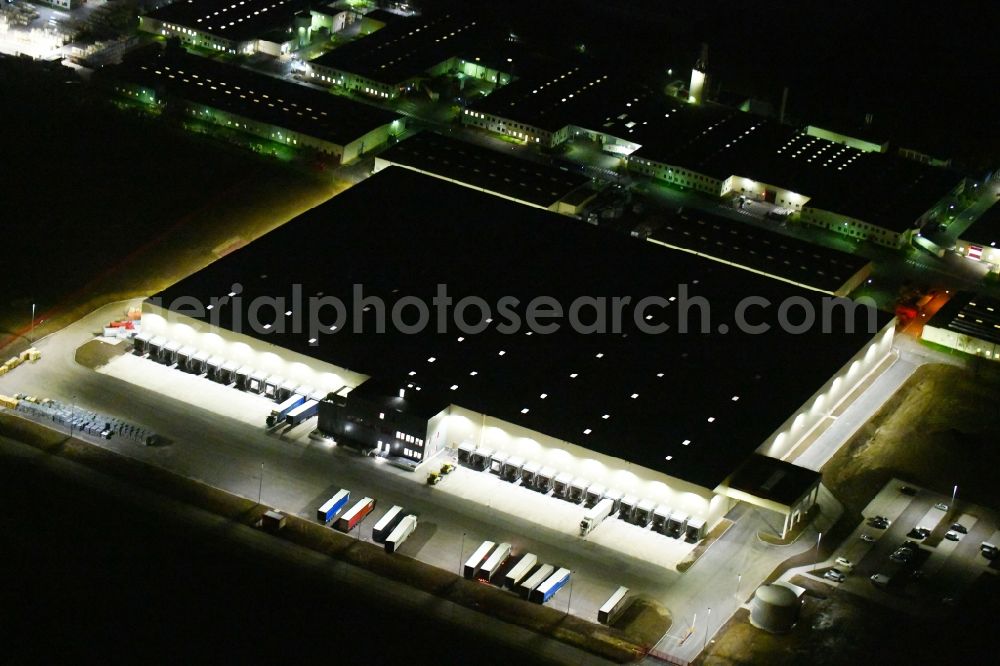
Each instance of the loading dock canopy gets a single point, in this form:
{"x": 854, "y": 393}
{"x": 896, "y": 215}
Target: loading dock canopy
{"x": 775, "y": 485}
{"x": 772, "y": 481}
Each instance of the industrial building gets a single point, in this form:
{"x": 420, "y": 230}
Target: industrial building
{"x": 233, "y": 26}
{"x": 529, "y": 183}
{"x": 722, "y": 152}
{"x": 398, "y": 56}
{"x": 666, "y": 416}
{"x": 764, "y": 251}
{"x": 969, "y": 323}
{"x": 287, "y": 113}
{"x": 981, "y": 240}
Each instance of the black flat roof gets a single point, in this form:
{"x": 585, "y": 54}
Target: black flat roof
{"x": 691, "y": 405}
{"x": 405, "y": 48}
{"x": 296, "y": 107}
{"x": 760, "y": 250}
{"x": 235, "y": 20}
{"x": 539, "y": 184}
{"x": 882, "y": 189}
{"x": 975, "y": 315}
{"x": 985, "y": 230}
{"x": 557, "y": 95}
{"x": 773, "y": 479}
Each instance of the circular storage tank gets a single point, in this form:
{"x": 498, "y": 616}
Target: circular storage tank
{"x": 774, "y": 608}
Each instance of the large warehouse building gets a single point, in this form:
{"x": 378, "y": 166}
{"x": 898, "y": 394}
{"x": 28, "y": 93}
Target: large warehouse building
{"x": 230, "y": 26}
{"x": 666, "y": 415}
{"x": 722, "y": 152}
{"x": 400, "y": 55}
{"x": 969, "y": 323}
{"x": 529, "y": 183}
{"x": 249, "y": 102}
{"x": 981, "y": 240}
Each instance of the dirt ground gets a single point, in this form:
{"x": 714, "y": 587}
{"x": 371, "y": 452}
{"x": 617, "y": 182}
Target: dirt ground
{"x": 941, "y": 428}
{"x": 940, "y": 420}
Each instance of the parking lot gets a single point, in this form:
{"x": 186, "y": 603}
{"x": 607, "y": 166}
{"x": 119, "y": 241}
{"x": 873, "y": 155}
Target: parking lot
{"x": 943, "y": 565}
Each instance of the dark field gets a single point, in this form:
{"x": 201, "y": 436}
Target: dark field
{"x": 93, "y": 577}
{"x": 99, "y": 203}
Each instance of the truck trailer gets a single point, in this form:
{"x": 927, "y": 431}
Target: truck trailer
{"x": 387, "y": 523}
{"x": 578, "y": 489}
{"x": 613, "y": 606}
{"x": 550, "y": 586}
{"x": 306, "y": 410}
{"x": 643, "y": 513}
{"x": 330, "y": 507}
{"x": 472, "y": 565}
{"x": 544, "y": 479}
{"x": 402, "y": 531}
{"x": 354, "y": 515}
{"x": 594, "y": 494}
{"x": 279, "y": 413}
{"x": 520, "y": 570}
{"x": 494, "y": 562}
{"x": 527, "y": 586}
{"x": 198, "y": 364}
{"x": 595, "y": 516}
{"x": 560, "y": 485}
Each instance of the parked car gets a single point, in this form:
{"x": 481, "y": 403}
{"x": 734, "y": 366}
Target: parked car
{"x": 952, "y": 535}
{"x": 844, "y": 562}
{"x": 879, "y": 522}
{"x": 942, "y": 506}
{"x": 960, "y": 528}
{"x": 867, "y": 538}
{"x": 834, "y": 575}
{"x": 907, "y": 490}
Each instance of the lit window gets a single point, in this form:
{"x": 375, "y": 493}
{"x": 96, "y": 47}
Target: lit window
{"x": 431, "y": 359}
{"x": 606, "y": 417}
{"x": 711, "y": 419}
{"x": 544, "y": 396}
{"x": 686, "y": 442}
{"x": 600, "y": 355}
{"x": 454, "y": 387}
{"x": 524, "y": 411}
{"x": 572, "y": 375}
{"x": 634, "y": 396}
{"x": 502, "y": 352}
{"x": 587, "y": 431}
{"x": 381, "y": 415}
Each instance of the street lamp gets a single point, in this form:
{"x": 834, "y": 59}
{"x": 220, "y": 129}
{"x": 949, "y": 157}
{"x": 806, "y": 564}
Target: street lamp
{"x": 704, "y": 645}
{"x": 739, "y": 579}
{"x": 461, "y": 554}
{"x": 819, "y": 537}
{"x": 260, "y": 487}
{"x": 954, "y": 494}
{"x": 72, "y": 416}
{"x": 31, "y": 334}
{"x": 570, "y": 600}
